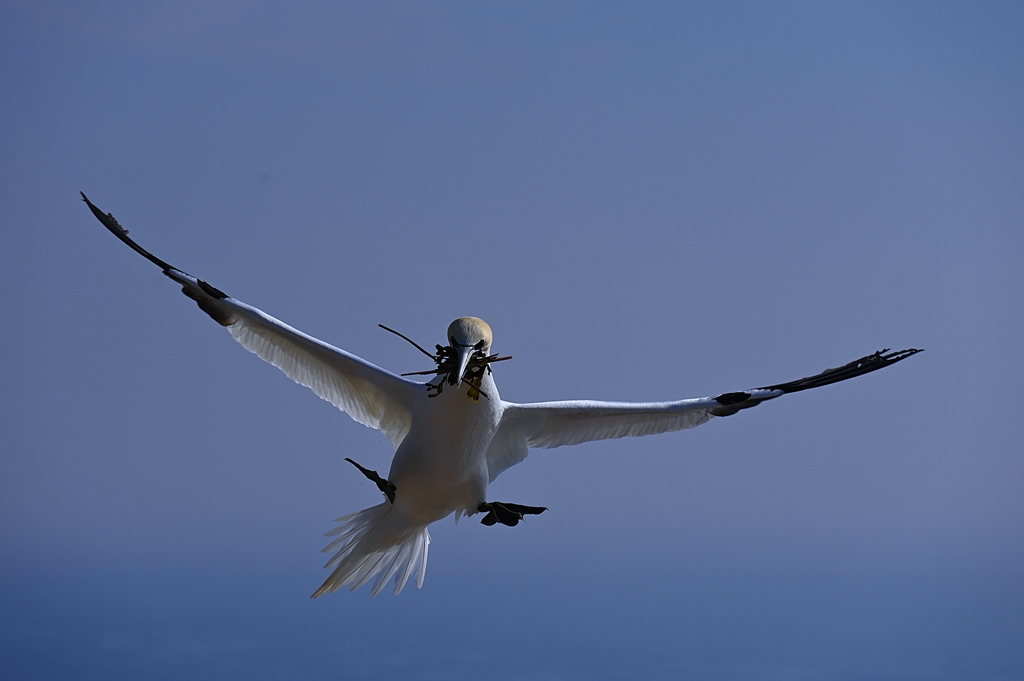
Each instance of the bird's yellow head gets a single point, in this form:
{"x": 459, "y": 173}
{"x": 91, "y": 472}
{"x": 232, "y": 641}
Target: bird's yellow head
{"x": 470, "y": 332}
{"x": 467, "y": 336}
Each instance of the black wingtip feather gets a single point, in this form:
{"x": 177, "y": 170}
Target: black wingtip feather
{"x": 220, "y": 315}
{"x": 115, "y": 228}
{"x": 858, "y": 367}
{"x": 736, "y": 401}
{"x": 211, "y": 290}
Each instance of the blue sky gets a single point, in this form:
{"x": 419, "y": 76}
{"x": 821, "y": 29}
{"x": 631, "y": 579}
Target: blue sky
{"x": 645, "y": 201}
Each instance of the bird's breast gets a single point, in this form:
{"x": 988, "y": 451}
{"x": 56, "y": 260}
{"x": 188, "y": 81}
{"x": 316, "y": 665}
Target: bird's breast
{"x": 442, "y": 462}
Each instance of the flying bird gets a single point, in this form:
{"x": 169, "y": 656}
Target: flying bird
{"x": 453, "y": 434}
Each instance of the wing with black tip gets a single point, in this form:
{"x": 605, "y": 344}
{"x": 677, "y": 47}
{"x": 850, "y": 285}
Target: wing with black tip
{"x": 369, "y": 394}
{"x": 555, "y": 424}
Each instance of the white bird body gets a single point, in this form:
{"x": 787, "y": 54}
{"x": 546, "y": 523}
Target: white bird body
{"x": 442, "y": 461}
{"x": 440, "y": 468}
{"x": 453, "y": 435}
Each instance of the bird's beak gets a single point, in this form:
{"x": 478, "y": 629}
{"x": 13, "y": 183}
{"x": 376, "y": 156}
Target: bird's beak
{"x": 465, "y": 354}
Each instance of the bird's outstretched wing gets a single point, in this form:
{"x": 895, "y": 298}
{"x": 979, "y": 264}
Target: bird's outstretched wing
{"x": 369, "y": 394}
{"x": 554, "y": 424}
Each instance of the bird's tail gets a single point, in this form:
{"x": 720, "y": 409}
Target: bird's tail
{"x": 375, "y": 542}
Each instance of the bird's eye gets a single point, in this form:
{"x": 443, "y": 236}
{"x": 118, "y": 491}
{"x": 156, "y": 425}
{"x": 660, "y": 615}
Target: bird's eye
{"x": 479, "y": 345}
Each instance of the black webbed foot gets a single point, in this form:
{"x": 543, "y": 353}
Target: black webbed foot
{"x": 505, "y": 513}
{"x": 382, "y": 484}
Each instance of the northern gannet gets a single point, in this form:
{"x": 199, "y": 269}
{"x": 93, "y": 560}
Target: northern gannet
{"x": 453, "y": 435}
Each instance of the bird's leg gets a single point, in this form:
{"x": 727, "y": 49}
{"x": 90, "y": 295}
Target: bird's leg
{"x": 506, "y": 513}
{"x": 383, "y": 485}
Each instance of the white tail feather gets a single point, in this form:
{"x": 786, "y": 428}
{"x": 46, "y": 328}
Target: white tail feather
{"x": 385, "y": 575}
{"x": 375, "y": 542}
{"x": 415, "y": 549}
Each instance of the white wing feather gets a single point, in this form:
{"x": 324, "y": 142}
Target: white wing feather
{"x": 369, "y": 394}
{"x": 555, "y": 424}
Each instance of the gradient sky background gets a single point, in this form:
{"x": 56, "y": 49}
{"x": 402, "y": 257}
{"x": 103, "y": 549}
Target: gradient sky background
{"x": 646, "y": 201}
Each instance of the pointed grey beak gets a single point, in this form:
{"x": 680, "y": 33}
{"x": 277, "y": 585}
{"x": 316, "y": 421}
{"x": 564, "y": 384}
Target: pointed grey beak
{"x": 465, "y": 353}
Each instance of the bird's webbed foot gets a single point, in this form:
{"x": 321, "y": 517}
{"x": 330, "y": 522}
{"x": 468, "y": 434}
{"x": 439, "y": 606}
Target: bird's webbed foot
{"x": 506, "y": 513}
{"x": 383, "y": 485}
